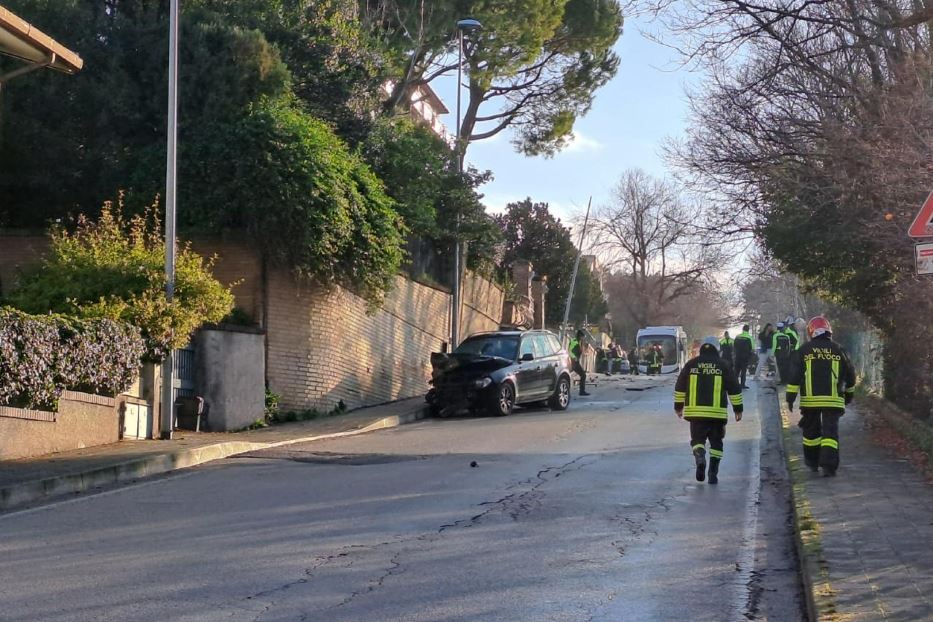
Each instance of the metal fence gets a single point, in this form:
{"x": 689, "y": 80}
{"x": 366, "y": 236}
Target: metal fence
{"x": 866, "y": 350}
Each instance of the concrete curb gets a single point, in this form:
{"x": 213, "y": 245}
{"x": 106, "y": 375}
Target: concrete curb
{"x": 28, "y": 492}
{"x": 814, "y": 570}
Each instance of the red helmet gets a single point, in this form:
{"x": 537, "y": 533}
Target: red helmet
{"x": 817, "y": 326}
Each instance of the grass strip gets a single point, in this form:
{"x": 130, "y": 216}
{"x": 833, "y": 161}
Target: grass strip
{"x": 917, "y": 432}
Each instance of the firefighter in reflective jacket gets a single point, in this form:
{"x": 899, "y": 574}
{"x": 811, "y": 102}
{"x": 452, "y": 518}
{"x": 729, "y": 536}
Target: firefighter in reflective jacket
{"x": 780, "y": 345}
{"x": 825, "y": 379}
{"x": 700, "y": 395}
{"x": 744, "y": 346}
{"x": 654, "y": 360}
{"x": 792, "y": 336}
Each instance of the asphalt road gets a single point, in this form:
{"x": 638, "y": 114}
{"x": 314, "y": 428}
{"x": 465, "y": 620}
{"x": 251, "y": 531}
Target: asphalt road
{"x": 590, "y": 514}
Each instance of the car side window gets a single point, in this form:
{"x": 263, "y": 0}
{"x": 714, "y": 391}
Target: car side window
{"x": 542, "y": 347}
{"x": 555, "y": 343}
{"x": 527, "y": 348}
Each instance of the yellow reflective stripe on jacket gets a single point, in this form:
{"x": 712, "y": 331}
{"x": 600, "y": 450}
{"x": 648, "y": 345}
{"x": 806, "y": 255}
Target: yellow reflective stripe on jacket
{"x": 736, "y": 400}
{"x": 812, "y": 442}
{"x": 717, "y": 392}
{"x": 680, "y": 396}
{"x": 693, "y": 391}
{"x": 830, "y": 442}
{"x": 793, "y": 388}
{"x": 821, "y": 401}
{"x": 850, "y": 391}
{"x": 705, "y": 412}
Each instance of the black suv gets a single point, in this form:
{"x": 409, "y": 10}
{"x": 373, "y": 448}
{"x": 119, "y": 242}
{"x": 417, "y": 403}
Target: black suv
{"x": 495, "y": 371}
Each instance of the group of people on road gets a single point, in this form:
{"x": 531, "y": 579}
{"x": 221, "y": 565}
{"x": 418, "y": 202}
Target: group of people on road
{"x": 652, "y": 357}
{"x": 738, "y": 352}
{"x": 777, "y": 345}
{"x": 819, "y": 371}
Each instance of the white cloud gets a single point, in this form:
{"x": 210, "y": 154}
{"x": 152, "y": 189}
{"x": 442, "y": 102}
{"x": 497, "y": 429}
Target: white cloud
{"x": 579, "y": 143}
{"x": 496, "y": 203}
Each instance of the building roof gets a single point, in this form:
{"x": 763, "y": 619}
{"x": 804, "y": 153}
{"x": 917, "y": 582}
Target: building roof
{"x": 21, "y": 40}
{"x": 428, "y": 94}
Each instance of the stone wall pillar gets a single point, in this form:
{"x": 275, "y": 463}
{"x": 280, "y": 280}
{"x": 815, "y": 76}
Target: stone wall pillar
{"x": 538, "y": 294}
{"x": 522, "y": 271}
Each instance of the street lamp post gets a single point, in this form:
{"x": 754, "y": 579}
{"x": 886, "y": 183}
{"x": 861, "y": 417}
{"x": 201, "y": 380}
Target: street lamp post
{"x": 168, "y": 365}
{"x": 463, "y": 26}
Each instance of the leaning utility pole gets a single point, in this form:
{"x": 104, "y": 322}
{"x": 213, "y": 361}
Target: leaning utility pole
{"x": 576, "y": 267}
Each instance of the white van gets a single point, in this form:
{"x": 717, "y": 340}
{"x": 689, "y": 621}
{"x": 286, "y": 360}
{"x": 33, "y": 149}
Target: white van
{"x": 673, "y": 342}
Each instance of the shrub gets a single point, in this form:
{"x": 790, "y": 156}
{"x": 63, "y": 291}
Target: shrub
{"x": 310, "y": 204}
{"x": 40, "y": 356}
{"x": 113, "y": 268}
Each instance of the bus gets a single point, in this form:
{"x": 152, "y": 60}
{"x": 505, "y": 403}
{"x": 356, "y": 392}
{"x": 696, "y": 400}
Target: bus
{"x": 673, "y": 342}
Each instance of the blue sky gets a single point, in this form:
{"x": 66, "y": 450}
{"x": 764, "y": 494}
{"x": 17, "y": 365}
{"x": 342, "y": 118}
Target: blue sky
{"x": 630, "y": 118}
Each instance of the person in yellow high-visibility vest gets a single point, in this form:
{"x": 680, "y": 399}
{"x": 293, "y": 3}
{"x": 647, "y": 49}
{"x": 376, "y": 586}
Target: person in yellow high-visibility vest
{"x": 577, "y": 349}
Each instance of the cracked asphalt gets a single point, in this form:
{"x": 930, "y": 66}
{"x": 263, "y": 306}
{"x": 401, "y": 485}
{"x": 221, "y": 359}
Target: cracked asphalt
{"x": 589, "y": 514}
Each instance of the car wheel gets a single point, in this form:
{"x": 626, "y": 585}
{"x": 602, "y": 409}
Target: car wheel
{"x": 504, "y": 400}
{"x": 561, "y": 398}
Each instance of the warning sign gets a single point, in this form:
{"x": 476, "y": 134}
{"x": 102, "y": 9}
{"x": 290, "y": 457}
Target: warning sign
{"x": 924, "y": 258}
{"x": 922, "y": 227}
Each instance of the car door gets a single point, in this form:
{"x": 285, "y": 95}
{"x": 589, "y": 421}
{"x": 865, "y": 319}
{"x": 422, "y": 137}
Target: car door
{"x": 547, "y": 356}
{"x": 527, "y": 377}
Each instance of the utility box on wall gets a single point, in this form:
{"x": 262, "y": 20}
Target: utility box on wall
{"x": 231, "y": 376}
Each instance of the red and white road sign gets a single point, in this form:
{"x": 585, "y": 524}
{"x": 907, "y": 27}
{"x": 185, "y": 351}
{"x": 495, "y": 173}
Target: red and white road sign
{"x": 922, "y": 226}
{"x": 924, "y": 252}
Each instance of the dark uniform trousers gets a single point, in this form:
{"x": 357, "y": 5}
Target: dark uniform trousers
{"x": 821, "y": 436}
{"x": 741, "y": 368}
{"x": 783, "y": 363}
{"x": 577, "y": 368}
{"x": 713, "y": 430}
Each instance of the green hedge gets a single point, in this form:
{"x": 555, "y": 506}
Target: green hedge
{"x": 41, "y": 356}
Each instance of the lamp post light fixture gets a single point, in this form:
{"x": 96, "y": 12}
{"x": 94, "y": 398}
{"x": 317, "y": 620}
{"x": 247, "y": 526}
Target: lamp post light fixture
{"x": 463, "y": 26}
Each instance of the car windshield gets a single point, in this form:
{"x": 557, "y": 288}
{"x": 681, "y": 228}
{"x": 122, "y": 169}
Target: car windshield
{"x": 503, "y": 346}
{"x": 668, "y": 347}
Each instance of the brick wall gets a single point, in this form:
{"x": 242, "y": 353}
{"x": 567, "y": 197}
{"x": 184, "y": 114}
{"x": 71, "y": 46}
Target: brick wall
{"x": 482, "y": 305}
{"x": 238, "y": 266}
{"x": 326, "y": 346}
{"x": 18, "y": 250}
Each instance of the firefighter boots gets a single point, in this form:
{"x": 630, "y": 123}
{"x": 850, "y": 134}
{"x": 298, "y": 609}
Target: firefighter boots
{"x": 714, "y": 470}
{"x": 699, "y": 454}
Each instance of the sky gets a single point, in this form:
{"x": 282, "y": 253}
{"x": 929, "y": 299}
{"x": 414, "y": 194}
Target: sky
{"x": 630, "y": 119}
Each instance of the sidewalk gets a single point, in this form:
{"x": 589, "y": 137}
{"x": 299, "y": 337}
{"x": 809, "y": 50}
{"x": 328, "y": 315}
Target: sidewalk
{"x": 36, "y": 479}
{"x": 866, "y": 532}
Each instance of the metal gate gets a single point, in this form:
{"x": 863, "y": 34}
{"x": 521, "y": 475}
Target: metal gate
{"x": 185, "y": 373}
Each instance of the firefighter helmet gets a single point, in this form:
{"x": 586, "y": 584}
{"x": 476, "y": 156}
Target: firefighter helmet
{"x": 711, "y": 342}
{"x": 818, "y": 326}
